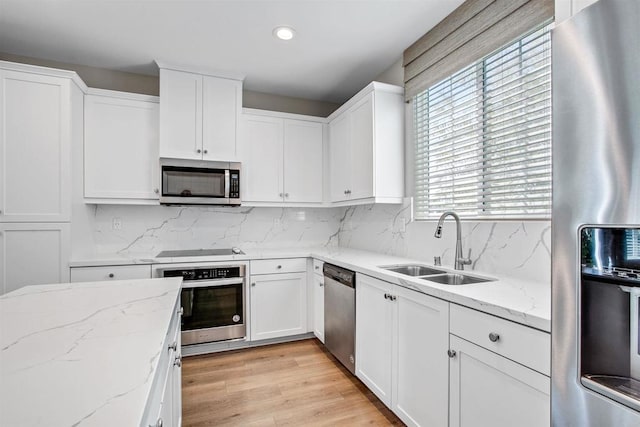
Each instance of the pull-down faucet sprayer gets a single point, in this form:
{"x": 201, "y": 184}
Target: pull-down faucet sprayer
{"x": 460, "y": 261}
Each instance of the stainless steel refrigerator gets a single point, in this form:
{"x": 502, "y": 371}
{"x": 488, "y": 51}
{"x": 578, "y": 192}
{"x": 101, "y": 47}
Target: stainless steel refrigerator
{"x": 596, "y": 217}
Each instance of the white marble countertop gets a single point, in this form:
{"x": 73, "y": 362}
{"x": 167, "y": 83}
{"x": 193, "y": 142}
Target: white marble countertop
{"x": 83, "y": 353}
{"x": 525, "y": 302}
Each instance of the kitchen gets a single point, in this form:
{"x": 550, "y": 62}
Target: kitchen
{"x": 98, "y": 218}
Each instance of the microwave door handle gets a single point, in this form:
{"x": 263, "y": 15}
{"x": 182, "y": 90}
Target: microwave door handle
{"x": 227, "y": 184}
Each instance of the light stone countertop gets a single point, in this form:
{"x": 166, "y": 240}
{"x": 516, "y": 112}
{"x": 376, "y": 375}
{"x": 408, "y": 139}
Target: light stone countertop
{"x": 521, "y": 301}
{"x": 59, "y": 342}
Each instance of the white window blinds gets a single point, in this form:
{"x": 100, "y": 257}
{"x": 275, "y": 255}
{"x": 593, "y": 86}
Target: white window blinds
{"x": 483, "y": 136}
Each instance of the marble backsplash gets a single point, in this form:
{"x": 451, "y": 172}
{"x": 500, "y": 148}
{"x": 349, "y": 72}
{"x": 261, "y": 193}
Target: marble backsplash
{"x": 511, "y": 248}
{"x": 151, "y": 229}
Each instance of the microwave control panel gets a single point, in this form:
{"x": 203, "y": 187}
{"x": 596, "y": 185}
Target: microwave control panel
{"x": 234, "y": 184}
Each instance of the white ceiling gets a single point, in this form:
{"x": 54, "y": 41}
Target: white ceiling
{"x": 340, "y": 45}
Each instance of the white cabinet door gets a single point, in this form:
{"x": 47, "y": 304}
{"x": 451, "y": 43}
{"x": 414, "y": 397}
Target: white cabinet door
{"x": 302, "y": 161}
{"x": 121, "y": 147}
{"x": 489, "y": 390}
{"x": 221, "y": 106}
{"x": 180, "y": 114}
{"x": 361, "y": 146}
{"x": 318, "y": 306}
{"x": 110, "y": 272}
{"x": 33, "y": 254}
{"x": 35, "y": 147}
{"x": 374, "y": 331}
{"x": 176, "y": 370}
{"x": 262, "y": 159}
{"x": 278, "y": 305}
{"x": 420, "y": 361}
{"x": 340, "y": 157}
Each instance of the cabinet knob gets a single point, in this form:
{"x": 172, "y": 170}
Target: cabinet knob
{"x": 173, "y": 346}
{"x": 345, "y": 191}
{"x": 181, "y": 311}
{"x": 205, "y": 151}
{"x": 157, "y": 424}
{"x": 321, "y": 284}
{"x": 451, "y": 353}
{"x": 178, "y": 361}
{"x": 279, "y": 267}
{"x": 493, "y": 337}
{"x": 0, "y": 211}
{"x": 155, "y": 190}
{"x": 198, "y": 151}
{"x": 317, "y": 267}
{"x": 386, "y": 296}
{"x": 111, "y": 275}
{"x": 280, "y": 194}
{"x": 253, "y": 284}
{"x": 286, "y": 194}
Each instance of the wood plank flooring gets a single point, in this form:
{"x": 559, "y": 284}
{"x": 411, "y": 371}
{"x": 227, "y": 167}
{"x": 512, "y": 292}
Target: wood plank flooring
{"x": 291, "y": 384}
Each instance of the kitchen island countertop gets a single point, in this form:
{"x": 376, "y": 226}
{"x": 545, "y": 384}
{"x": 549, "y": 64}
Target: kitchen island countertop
{"x": 59, "y": 342}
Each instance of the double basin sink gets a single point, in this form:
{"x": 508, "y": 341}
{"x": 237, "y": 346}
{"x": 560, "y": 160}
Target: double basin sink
{"x": 435, "y": 275}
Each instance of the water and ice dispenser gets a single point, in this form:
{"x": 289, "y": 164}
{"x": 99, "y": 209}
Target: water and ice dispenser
{"x": 609, "y": 360}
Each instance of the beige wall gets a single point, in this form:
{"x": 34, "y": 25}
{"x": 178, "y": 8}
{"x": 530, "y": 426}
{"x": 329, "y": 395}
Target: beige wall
{"x": 393, "y": 75}
{"x": 97, "y": 77}
{"x": 266, "y": 101}
{"x": 129, "y": 82}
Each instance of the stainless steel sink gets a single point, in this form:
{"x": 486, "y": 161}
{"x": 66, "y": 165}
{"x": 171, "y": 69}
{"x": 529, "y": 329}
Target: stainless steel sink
{"x": 456, "y": 279}
{"x": 413, "y": 270}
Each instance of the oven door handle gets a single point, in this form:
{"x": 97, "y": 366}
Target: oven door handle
{"x": 188, "y": 284}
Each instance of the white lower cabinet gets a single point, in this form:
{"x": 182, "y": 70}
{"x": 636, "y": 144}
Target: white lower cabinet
{"x": 374, "y": 329}
{"x": 278, "y": 300}
{"x": 164, "y": 408}
{"x": 499, "y": 372}
{"x": 488, "y": 390}
{"x": 110, "y": 272}
{"x": 402, "y": 339}
{"x": 33, "y": 254}
{"x": 420, "y": 361}
{"x": 318, "y": 306}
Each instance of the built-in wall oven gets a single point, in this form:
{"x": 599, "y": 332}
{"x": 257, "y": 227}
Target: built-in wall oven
{"x": 213, "y": 300}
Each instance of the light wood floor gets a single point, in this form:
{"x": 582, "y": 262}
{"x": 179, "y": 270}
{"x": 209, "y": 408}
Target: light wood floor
{"x": 296, "y": 384}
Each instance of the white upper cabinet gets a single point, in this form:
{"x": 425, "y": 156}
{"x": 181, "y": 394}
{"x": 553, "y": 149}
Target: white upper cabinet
{"x": 262, "y": 159}
{"x": 302, "y": 161}
{"x": 35, "y": 146}
{"x": 281, "y": 159}
{"x": 198, "y": 115}
{"x": 121, "y": 148}
{"x": 366, "y": 145}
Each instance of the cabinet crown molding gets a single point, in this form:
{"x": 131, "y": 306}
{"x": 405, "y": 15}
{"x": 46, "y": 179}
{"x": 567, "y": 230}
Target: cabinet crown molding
{"x": 200, "y": 70}
{"x": 46, "y": 71}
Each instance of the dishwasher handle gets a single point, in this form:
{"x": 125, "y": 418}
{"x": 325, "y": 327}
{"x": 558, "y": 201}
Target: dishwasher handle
{"x": 339, "y": 274}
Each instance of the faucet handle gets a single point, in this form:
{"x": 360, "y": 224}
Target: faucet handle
{"x": 467, "y": 260}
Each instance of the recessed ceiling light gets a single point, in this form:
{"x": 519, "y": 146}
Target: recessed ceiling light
{"x": 284, "y": 33}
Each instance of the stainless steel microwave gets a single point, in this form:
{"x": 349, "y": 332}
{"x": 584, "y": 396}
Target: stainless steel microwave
{"x": 192, "y": 182}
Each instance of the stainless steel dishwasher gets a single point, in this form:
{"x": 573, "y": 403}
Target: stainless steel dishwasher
{"x": 340, "y": 314}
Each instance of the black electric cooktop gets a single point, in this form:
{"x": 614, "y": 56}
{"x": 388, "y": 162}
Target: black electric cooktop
{"x": 199, "y": 252}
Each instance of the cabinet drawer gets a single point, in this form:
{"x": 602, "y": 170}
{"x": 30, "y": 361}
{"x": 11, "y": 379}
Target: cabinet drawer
{"x": 519, "y": 343}
{"x": 270, "y": 266}
{"x": 120, "y": 272}
{"x": 317, "y": 266}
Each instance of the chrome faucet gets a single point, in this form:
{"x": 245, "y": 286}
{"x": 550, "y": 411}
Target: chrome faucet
{"x": 460, "y": 261}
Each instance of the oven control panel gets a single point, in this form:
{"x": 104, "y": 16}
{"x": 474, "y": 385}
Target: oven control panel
{"x": 206, "y": 273}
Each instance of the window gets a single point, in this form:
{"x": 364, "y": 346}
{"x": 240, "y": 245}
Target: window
{"x": 483, "y": 136}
